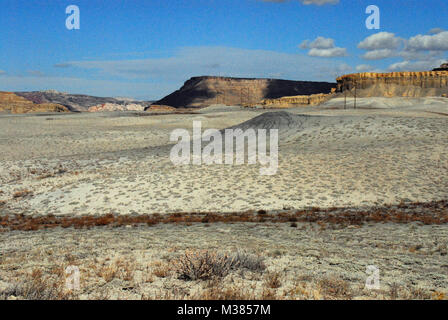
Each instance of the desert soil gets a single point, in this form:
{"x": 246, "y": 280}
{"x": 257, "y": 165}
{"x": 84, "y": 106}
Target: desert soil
{"x": 385, "y": 152}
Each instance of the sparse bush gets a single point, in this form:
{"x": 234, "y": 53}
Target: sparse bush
{"x": 332, "y": 287}
{"x": 22, "y": 193}
{"x": 38, "y": 287}
{"x": 251, "y": 262}
{"x": 160, "y": 269}
{"x": 204, "y": 264}
{"x": 273, "y": 280}
{"x": 227, "y": 293}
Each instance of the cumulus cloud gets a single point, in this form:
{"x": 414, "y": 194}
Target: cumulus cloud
{"x": 323, "y": 47}
{"x": 381, "y": 45}
{"x": 415, "y": 65}
{"x": 379, "y": 54}
{"x": 436, "y": 42}
{"x": 420, "y": 51}
{"x": 379, "y": 41}
{"x": 309, "y": 2}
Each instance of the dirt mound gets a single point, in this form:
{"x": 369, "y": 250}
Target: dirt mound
{"x": 274, "y": 120}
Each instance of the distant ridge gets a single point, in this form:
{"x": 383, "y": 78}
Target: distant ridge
{"x": 78, "y": 102}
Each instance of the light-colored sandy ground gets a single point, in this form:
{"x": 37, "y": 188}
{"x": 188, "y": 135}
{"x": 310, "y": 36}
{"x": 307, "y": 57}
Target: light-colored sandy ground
{"x": 92, "y": 164}
{"x": 119, "y": 163}
{"x": 311, "y": 262}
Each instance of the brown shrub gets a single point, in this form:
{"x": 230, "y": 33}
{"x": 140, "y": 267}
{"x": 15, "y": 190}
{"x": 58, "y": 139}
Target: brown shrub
{"x": 37, "y": 287}
{"x": 332, "y": 287}
{"x": 22, "y": 193}
{"x": 273, "y": 280}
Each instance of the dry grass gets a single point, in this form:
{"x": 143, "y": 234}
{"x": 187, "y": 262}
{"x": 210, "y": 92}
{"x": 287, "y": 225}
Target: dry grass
{"x": 334, "y": 288}
{"x": 425, "y": 213}
{"x": 273, "y": 280}
{"x": 22, "y": 193}
{"x": 36, "y": 286}
{"x": 161, "y": 269}
{"x": 225, "y": 293}
{"x": 205, "y": 264}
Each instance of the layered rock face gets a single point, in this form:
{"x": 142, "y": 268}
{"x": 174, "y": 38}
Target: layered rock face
{"x": 401, "y": 84}
{"x": 289, "y": 102}
{"x": 12, "y": 103}
{"x": 205, "y": 91}
{"x": 159, "y": 108}
{"x": 116, "y": 107}
{"x": 77, "y": 102}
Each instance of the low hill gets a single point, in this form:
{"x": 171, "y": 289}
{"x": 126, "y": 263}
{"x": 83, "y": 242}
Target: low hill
{"x": 79, "y": 102}
{"x": 12, "y": 103}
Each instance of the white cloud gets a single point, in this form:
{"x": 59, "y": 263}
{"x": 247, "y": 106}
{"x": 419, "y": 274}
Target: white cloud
{"x": 435, "y": 30}
{"x": 436, "y": 42}
{"x": 323, "y": 47}
{"x": 415, "y": 65}
{"x": 319, "y": 2}
{"x": 328, "y": 53}
{"x": 364, "y": 68}
{"x": 381, "y": 40}
{"x": 379, "y": 54}
{"x": 309, "y": 2}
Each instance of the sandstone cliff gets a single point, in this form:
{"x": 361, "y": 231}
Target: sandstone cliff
{"x": 205, "y": 91}
{"x": 116, "y": 107}
{"x": 401, "y": 84}
{"x": 159, "y": 108}
{"x": 294, "y": 101}
{"x": 12, "y": 103}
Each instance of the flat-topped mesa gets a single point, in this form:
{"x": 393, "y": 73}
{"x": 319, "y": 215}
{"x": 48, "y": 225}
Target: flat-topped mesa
{"x": 404, "y": 84}
{"x": 208, "y": 90}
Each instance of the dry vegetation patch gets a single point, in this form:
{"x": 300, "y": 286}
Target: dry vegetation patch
{"x": 425, "y": 213}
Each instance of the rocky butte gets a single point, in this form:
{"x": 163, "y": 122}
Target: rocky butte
{"x": 204, "y": 91}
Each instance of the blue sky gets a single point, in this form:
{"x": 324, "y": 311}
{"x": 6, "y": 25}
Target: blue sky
{"x": 148, "y": 48}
